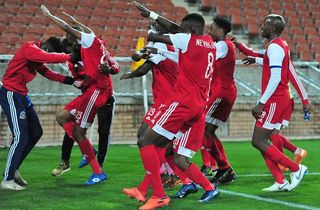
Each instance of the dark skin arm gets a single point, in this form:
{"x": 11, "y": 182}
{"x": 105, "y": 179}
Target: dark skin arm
{"x": 142, "y": 70}
{"x": 249, "y": 60}
{"x": 257, "y": 110}
{"x": 164, "y": 22}
{"x": 155, "y": 37}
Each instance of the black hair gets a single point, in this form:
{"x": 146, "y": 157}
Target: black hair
{"x": 194, "y": 17}
{"x": 223, "y": 23}
{"x": 55, "y": 44}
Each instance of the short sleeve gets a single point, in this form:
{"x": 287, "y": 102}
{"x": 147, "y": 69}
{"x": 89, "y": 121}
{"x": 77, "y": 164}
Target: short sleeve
{"x": 222, "y": 49}
{"x": 276, "y": 55}
{"x": 180, "y": 41}
{"x": 156, "y": 58}
{"x": 87, "y": 39}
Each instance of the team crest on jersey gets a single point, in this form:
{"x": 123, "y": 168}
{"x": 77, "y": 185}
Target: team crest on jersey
{"x": 22, "y": 115}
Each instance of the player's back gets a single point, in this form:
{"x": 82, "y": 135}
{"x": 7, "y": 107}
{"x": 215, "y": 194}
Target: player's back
{"x": 282, "y": 88}
{"x": 196, "y": 65}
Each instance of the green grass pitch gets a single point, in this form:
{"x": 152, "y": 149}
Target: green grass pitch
{"x": 124, "y": 169}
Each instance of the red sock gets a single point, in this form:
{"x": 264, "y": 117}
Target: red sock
{"x": 278, "y": 157}
{"x": 161, "y": 154}
{"x": 205, "y": 157}
{"x": 184, "y": 178}
{"x": 68, "y": 128}
{"x": 274, "y": 169}
{"x": 287, "y": 144}
{"x": 144, "y": 185}
{"x": 151, "y": 164}
{"x": 194, "y": 173}
{"x": 218, "y": 153}
{"x": 277, "y": 141}
{"x": 87, "y": 150}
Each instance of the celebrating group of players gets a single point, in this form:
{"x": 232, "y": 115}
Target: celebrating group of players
{"x": 193, "y": 91}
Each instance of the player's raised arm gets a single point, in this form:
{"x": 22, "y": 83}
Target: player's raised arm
{"x": 60, "y": 23}
{"x": 169, "y": 25}
{"x": 75, "y": 22}
{"x": 156, "y": 37}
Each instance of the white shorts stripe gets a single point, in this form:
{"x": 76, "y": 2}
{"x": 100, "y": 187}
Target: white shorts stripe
{"x": 214, "y": 106}
{"x": 298, "y": 81}
{"x": 271, "y": 112}
{"x": 89, "y": 107}
{"x": 16, "y": 132}
{"x": 168, "y": 112}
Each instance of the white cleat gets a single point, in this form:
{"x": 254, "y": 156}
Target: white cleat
{"x": 276, "y": 187}
{"x": 296, "y": 177}
{"x": 11, "y": 185}
{"x": 19, "y": 180}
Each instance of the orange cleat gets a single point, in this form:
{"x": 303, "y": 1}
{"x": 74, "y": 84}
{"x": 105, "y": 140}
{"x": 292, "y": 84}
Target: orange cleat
{"x": 135, "y": 194}
{"x": 282, "y": 168}
{"x": 154, "y": 203}
{"x": 299, "y": 157}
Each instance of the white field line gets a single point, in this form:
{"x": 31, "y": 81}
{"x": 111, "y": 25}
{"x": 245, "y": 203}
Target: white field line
{"x": 257, "y": 175}
{"x": 269, "y": 200}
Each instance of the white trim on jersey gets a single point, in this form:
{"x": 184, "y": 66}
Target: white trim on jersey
{"x": 222, "y": 49}
{"x": 272, "y": 109}
{"x": 298, "y": 81}
{"x": 215, "y": 121}
{"x": 186, "y": 152}
{"x": 271, "y": 126}
{"x": 180, "y": 41}
{"x": 84, "y": 123}
{"x": 213, "y": 106}
{"x": 168, "y": 112}
{"x": 285, "y": 123}
{"x": 157, "y": 58}
{"x": 163, "y": 132}
{"x": 87, "y": 39}
{"x": 184, "y": 139}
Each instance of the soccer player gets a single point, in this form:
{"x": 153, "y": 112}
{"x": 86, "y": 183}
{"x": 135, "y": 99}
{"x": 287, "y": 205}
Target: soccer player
{"x": 78, "y": 115}
{"x": 164, "y": 73}
{"x": 16, "y": 104}
{"x": 271, "y": 109}
{"x": 277, "y": 139}
{"x": 223, "y": 96}
{"x": 184, "y": 109}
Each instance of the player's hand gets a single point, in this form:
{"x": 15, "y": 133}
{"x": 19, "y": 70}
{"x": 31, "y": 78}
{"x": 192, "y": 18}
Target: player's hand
{"x": 249, "y": 60}
{"x": 78, "y": 83}
{"x": 68, "y": 80}
{"x": 125, "y": 76}
{"x": 151, "y": 50}
{"x": 72, "y": 19}
{"x": 307, "y": 107}
{"x": 45, "y": 10}
{"x": 257, "y": 110}
{"x": 145, "y": 12}
{"x": 104, "y": 68}
{"x": 152, "y": 36}
{"x": 233, "y": 39}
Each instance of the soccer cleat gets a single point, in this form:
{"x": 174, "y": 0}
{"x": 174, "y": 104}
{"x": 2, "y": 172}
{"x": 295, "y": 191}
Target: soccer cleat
{"x": 135, "y": 194}
{"x": 96, "y": 178}
{"x": 209, "y": 195}
{"x": 224, "y": 176}
{"x": 282, "y": 168}
{"x": 296, "y": 177}
{"x": 299, "y": 157}
{"x": 207, "y": 171}
{"x": 174, "y": 181}
{"x": 19, "y": 180}
{"x": 11, "y": 185}
{"x": 186, "y": 190}
{"x": 84, "y": 161}
{"x": 63, "y": 166}
{"x": 165, "y": 178}
{"x": 153, "y": 203}
{"x": 276, "y": 187}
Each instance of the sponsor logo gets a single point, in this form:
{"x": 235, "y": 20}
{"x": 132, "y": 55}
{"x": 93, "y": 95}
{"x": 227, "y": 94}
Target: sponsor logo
{"x": 22, "y": 115}
{"x": 281, "y": 187}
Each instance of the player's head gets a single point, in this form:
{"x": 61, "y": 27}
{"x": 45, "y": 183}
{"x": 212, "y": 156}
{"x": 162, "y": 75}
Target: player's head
{"x": 220, "y": 27}
{"x": 272, "y": 25}
{"x": 193, "y": 23}
{"x": 53, "y": 44}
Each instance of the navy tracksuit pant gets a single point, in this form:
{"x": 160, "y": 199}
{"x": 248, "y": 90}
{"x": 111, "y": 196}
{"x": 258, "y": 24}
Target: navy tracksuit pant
{"x": 24, "y": 125}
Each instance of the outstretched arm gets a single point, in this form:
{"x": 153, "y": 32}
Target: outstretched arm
{"x": 142, "y": 70}
{"x": 75, "y": 22}
{"x": 61, "y": 23}
{"x": 164, "y": 22}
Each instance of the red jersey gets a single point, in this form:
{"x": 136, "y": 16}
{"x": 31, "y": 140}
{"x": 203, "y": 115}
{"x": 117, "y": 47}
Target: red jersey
{"x": 164, "y": 75}
{"x": 94, "y": 55}
{"x": 223, "y": 80}
{"x": 195, "y": 68}
{"x": 282, "y": 88}
{"x": 22, "y": 68}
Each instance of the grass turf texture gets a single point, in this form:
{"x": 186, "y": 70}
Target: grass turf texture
{"x": 124, "y": 169}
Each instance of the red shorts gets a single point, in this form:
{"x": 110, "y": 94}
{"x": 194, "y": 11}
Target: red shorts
{"x": 274, "y": 113}
{"x": 173, "y": 118}
{"x": 191, "y": 141}
{"x": 219, "y": 109}
{"x": 288, "y": 113}
{"x": 148, "y": 117}
{"x": 85, "y": 106}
